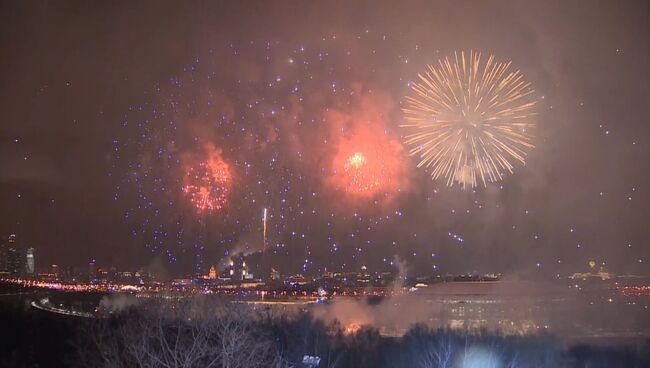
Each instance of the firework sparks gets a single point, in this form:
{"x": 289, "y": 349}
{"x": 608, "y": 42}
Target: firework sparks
{"x": 165, "y": 178}
{"x": 208, "y": 184}
{"x": 355, "y": 161}
{"x": 264, "y": 229}
{"x": 469, "y": 119}
{"x": 363, "y": 177}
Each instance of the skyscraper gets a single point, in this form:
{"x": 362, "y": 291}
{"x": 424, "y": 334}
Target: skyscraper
{"x": 14, "y": 261}
{"x": 14, "y": 258}
{"x": 3, "y": 257}
{"x": 54, "y": 270}
{"x": 92, "y": 271}
{"x": 29, "y": 264}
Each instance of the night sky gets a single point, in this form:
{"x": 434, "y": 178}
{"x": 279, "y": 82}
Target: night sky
{"x": 110, "y": 108}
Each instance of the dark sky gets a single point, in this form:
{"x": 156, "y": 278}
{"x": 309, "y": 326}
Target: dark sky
{"x": 105, "y": 106}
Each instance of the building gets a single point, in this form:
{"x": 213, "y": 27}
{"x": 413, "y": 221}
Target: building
{"x": 14, "y": 261}
{"x": 602, "y": 273}
{"x": 3, "y": 257}
{"x": 296, "y": 280}
{"x": 212, "y": 274}
{"x": 29, "y": 262}
{"x": 244, "y": 270}
{"x": 237, "y": 270}
{"x": 92, "y": 271}
{"x": 54, "y": 270}
{"x": 275, "y": 275}
{"x": 363, "y": 278}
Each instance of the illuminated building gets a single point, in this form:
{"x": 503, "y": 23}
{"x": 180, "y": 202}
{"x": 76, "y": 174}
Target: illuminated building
{"x": 102, "y": 276}
{"x": 296, "y": 280}
{"x": 29, "y": 265}
{"x": 244, "y": 269}
{"x": 363, "y": 277}
{"x": 13, "y": 260}
{"x": 92, "y": 271}
{"x": 212, "y": 274}
{"x": 182, "y": 282}
{"x": 275, "y": 274}
{"x": 3, "y": 258}
{"x": 238, "y": 270}
{"x": 602, "y": 273}
{"x": 54, "y": 270}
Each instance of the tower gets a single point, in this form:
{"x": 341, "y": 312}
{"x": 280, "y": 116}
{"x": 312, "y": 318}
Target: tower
{"x": 29, "y": 262}
{"x": 14, "y": 259}
{"x": 3, "y": 257}
{"x": 14, "y": 264}
{"x": 54, "y": 270}
{"x": 92, "y": 271}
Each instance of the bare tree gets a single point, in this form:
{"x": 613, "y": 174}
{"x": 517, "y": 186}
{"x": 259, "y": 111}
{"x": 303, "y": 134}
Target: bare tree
{"x": 241, "y": 345}
{"x": 192, "y": 333}
{"x": 439, "y": 352}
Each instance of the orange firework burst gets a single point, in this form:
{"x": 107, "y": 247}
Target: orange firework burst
{"x": 368, "y": 163}
{"x": 363, "y": 177}
{"x": 207, "y": 185}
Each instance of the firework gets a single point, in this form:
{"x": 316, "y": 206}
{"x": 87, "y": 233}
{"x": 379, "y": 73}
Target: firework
{"x": 368, "y": 163}
{"x": 207, "y": 185}
{"x": 183, "y": 205}
{"x": 469, "y": 119}
{"x": 264, "y": 229}
{"x": 363, "y": 176}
